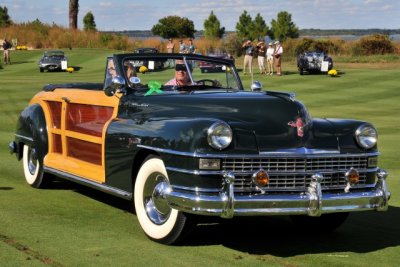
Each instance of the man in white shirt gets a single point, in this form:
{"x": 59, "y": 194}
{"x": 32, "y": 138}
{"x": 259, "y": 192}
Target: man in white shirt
{"x": 270, "y": 59}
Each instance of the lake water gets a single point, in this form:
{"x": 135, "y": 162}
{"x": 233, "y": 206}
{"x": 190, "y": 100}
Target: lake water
{"x": 393, "y": 37}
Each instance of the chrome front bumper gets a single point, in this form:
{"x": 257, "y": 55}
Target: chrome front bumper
{"x": 312, "y": 202}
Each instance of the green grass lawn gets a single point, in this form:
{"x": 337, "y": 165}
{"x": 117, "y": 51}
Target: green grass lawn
{"x": 70, "y": 225}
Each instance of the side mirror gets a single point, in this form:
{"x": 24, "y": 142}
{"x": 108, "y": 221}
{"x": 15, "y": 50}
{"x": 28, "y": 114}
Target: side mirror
{"x": 117, "y": 83}
{"x": 256, "y": 86}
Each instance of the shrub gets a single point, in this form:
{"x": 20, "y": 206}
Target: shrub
{"x": 327, "y": 46}
{"x": 233, "y": 44}
{"x": 377, "y": 44}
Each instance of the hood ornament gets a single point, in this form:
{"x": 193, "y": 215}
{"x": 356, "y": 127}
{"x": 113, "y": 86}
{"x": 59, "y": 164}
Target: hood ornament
{"x": 299, "y": 125}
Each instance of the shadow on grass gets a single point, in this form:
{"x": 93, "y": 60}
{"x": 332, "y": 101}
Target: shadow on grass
{"x": 76, "y": 68}
{"x": 21, "y": 62}
{"x": 277, "y": 235}
{"x": 116, "y": 202}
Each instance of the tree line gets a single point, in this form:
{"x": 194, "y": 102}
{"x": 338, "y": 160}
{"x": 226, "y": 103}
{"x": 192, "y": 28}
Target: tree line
{"x": 281, "y": 28}
{"x": 181, "y": 27}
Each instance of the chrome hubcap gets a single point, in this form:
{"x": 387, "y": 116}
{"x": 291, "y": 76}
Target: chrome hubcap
{"x": 154, "y": 198}
{"x": 32, "y": 161}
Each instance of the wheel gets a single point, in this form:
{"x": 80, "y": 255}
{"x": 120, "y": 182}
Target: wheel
{"x": 301, "y": 71}
{"x": 41, "y": 69}
{"x": 214, "y": 83}
{"x": 325, "y": 223}
{"x": 158, "y": 221}
{"x": 33, "y": 168}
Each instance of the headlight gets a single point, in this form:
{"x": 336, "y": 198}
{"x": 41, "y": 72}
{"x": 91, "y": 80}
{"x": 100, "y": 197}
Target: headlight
{"x": 219, "y": 135}
{"x": 366, "y": 136}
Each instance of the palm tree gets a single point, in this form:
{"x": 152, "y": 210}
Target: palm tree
{"x": 73, "y": 14}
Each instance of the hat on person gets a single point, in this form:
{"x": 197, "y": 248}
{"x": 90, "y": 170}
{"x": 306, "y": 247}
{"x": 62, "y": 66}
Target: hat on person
{"x": 276, "y": 42}
{"x": 269, "y": 43}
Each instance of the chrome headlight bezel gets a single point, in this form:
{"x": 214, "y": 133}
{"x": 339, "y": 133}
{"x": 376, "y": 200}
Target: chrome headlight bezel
{"x": 219, "y": 135}
{"x": 366, "y": 136}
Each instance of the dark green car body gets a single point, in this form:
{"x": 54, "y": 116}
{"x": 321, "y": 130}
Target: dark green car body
{"x": 310, "y": 166}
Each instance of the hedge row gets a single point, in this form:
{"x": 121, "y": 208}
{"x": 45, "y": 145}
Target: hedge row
{"x": 36, "y": 35}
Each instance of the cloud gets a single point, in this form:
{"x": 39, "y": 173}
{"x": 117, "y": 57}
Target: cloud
{"x": 105, "y": 4}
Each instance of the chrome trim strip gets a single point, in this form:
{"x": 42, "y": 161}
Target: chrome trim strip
{"x": 194, "y": 172}
{"x": 197, "y": 172}
{"x": 194, "y": 190}
{"x": 294, "y": 153}
{"x": 80, "y": 180}
{"x": 24, "y": 137}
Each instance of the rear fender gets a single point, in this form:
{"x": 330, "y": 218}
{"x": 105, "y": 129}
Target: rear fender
{"x": 32, "y": 130}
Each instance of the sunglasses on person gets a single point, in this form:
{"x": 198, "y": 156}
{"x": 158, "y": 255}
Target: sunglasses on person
{"x": 180, "y": 67}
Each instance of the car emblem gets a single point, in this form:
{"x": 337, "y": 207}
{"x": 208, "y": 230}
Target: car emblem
{"x": 299, "y": 125}
{"x": 134, "y": 80}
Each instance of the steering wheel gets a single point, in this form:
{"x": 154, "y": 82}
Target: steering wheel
{"x": 212, "y": 82}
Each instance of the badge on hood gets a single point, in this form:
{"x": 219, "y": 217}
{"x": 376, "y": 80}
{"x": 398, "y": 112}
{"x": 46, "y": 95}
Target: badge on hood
{"x": 299, "y": 125}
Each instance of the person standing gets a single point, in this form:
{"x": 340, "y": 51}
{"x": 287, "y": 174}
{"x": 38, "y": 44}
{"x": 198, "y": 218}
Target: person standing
{"x": 182, "y": 47}
{"x": 170, "y": 46}
{"x": 6, "y": 54}
{"x": 270, "y": 59}
{"x": 248, "y": 56}
{"x": 261, "y": 56}
{"x": 278, "y": 57}
{"x": 191, "y": 48}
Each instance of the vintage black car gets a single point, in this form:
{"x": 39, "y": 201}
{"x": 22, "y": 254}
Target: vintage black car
{"x": 53, "y": 60}
{"x": 147, "y": 50}
{"x": 314, "y": 62}
{"x": 180, "y": 143}
{"x": 212, "y": 67}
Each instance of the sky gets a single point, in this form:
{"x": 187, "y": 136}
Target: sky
{"x": 120, "y": 15}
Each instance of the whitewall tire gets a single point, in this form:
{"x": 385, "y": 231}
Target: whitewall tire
{"x": 33, "y": 167}
{"x": 159, "y": 222}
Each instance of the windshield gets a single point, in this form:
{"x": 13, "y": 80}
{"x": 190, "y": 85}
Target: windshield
{"x": 163, "y": 74}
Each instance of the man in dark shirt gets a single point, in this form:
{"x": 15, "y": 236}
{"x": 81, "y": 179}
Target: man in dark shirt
{"x": 6, "y": 54}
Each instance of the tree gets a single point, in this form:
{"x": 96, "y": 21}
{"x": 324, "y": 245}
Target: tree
{"x": 174, "y": 27}
{"x": 244, "y": 26}
{"x": 4, "y": 17}
{"x": 260, "y": 28}
{"x": 73, "y": 14}
{"x": 212, "y": 27}
{"x": 283, "y": 27}
{"x": 88, "y": 22}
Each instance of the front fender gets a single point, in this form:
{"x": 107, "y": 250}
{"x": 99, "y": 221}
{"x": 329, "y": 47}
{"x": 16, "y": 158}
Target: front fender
{"x": 32, "y": 130}
{"x": 328, "y": 133}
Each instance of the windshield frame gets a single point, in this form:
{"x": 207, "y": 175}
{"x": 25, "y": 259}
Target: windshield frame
{"x": 119, "y": 60}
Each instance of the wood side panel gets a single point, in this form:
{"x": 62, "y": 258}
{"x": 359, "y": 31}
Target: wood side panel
{"x": 83, "y": 150}
{"x": 86, "y": 158}
{"x": 87, "y": 119}
{"x": 55, "y": 113}
{"x": 57, "y": 145}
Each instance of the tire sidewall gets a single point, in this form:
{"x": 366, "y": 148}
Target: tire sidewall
{"x": 35, "y": 179}
{"x": 154, "y": 231}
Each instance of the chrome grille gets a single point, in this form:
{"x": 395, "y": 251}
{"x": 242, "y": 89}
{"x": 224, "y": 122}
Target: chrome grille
{"x": 295, "y": 173}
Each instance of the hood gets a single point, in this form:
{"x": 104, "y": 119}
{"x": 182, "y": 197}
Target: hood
{"x": 271, "y": 121}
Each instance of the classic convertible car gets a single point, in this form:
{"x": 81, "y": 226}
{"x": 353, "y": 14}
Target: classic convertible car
{"x": 314, "y": 62}
{"x": 180, "y": 143}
